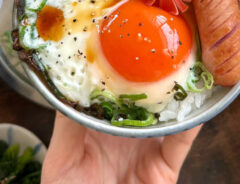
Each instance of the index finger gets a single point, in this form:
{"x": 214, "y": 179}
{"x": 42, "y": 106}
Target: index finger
{"x": 175, "y": 148}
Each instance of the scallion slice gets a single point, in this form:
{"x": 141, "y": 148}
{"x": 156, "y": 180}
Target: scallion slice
{"x": 122, "y": 112}
{"x": 134, "y": 97}
{"x": 138, "y": 123}
{"x": 180, "y": 94}
{"x": 46, "y": 76}
{"x": 197, "y": 73}
{"x": 105, "y": 94}
{"x": 29, "y": 38}
{"x": 35, "y": 5}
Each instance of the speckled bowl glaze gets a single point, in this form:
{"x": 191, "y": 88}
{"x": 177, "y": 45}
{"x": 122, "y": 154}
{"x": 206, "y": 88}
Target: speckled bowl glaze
{"x": 14, "y": 134}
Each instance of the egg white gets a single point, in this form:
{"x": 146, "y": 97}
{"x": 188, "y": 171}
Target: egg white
{"x": 76, "y": 78}
{"x": 66, "y": 59}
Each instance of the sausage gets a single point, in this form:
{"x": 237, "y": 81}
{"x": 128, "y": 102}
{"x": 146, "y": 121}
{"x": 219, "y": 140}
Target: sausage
{"x": 219, "y": 28}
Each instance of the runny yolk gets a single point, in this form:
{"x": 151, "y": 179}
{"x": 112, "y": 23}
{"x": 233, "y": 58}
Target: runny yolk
{"x": 49, "y": 23}
{"x": 144, "y": 44}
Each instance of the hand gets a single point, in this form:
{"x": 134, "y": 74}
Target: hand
{"x": 78, "y": 155}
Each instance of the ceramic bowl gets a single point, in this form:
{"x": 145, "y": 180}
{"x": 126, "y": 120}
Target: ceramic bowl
{"x": 221, "y": 98}
{"x": 14, "y": 134}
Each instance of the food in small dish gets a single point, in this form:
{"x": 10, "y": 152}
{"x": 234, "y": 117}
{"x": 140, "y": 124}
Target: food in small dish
{"x": 16, "y": 167}
{"x": 132, "y": 62}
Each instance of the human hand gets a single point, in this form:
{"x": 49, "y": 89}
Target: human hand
{"x": 78, "y": 155}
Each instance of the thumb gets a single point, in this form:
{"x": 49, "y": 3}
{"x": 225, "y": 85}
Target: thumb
{"x": 67, "y": 136}
{"x": 66, "y": 147}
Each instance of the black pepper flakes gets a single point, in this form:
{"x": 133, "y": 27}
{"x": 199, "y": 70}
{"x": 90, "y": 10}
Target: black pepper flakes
{"x": 85, "y": 29}
{"x": 157, "y": 115}
{"x": 79, "y": 52}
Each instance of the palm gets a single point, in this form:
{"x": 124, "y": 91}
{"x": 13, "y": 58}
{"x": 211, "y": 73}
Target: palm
{"x": 82, "y": 156}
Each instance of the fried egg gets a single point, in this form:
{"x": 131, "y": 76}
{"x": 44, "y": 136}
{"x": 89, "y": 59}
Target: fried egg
{"x": 124, "y": 47}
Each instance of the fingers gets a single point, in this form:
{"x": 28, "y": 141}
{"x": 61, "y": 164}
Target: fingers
{"x": 67, "y": 136}
{"x": 66, "y": 149}
{"x": 176, "y": 147}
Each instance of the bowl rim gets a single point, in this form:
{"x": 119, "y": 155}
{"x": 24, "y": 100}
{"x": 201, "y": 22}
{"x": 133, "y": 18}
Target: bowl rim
{"x": 23, "y": 130}
{"x": 98, "y": 125}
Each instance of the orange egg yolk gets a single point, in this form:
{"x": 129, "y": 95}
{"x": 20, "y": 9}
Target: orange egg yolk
{"x": 144, "y": 44}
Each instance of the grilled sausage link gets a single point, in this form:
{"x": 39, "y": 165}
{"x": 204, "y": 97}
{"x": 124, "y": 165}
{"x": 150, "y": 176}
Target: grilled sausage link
{"x": 219, "y": 27}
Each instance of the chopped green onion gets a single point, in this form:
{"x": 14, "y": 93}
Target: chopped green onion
{"x": 197, "y": 73}
{"x": 191, "y": 83}
{"x": 106, "y": 94}
{"x": 199, "y": 48}
{"x": 134, "y": 97}
{"x": 46, "y": 76}
{"x": 121, "y": 113}
{"x": 108, "y": 110}
{"x": 35, "y": 8}
{"x": 133, "y": 112}
{"x": 22, "y": 30}
{"x": 139, "y": 123}
{"x": 180, "y": 94}
{"x": 29, "y": 38}
{"x": 208, "y": 79}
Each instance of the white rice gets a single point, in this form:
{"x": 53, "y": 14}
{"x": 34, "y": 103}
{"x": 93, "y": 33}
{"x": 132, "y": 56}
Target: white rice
{"x": 179, "y": 110}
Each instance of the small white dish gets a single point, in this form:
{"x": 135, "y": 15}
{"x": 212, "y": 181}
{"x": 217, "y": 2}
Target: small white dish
{"x": 14, "y": 134}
